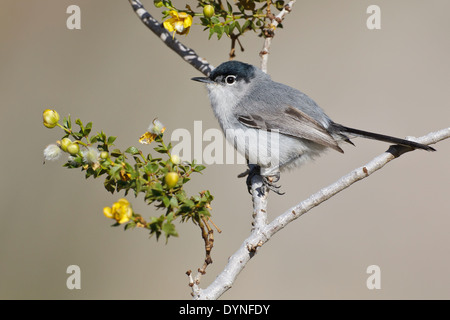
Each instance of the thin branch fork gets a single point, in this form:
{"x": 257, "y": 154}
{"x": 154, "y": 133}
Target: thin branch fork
{"x": 263, "y": 231}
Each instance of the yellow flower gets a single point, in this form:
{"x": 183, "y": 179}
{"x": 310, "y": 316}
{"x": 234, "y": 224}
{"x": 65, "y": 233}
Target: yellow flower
{"x": 179, "y": 23}
{"x": 121, "y": 211}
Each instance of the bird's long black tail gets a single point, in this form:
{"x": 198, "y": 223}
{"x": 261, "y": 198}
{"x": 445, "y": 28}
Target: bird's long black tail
{"x": 381, "y": 137}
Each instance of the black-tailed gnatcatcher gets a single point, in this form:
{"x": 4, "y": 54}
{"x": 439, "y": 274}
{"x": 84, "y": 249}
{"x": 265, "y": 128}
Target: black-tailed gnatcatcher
{"x": 273, "y": 125}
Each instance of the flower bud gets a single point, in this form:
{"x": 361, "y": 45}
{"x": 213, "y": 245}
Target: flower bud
{"x": 171, "y": 179}
{"x": 104, "y": 155}
{"x": 208, "y": 11}
{"x": 73, "y": 149}
{"x": 65, "y": 143}
{"x": 50, "y": 117}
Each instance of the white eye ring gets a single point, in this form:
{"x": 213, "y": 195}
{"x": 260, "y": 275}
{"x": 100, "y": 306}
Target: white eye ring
{"x": 230, "y": 80}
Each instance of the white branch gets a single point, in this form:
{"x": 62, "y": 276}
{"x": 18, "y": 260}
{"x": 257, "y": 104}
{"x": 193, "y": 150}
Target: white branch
{"x": 270, "y": 32}
{"x": 262, "y": 232}
{"x": 158, "y": 29}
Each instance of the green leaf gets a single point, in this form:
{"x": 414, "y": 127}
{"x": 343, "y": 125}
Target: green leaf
{"x": 77, "y": 135}
{"x": 160, "y": 149}
{"x": 245, "y": 25}
{"x": 215, "y": 20}
{"x": 116, "y": 153}
{"x": 173, "y": 202}
{"x": 230, "y": 8}
{"x": 110, "y": 185}
{"x": 166, "y": 201}
{"x": 169, "y": 229}
{"x": 219, "y": 30}
{"x": 231, "y": 27}
{"x": 199, "y": 168}
{"x": 87, "y": 129}
{"x": 204, "y": 21}
{"x": 189, "y": 203}
{"x": 67, "y": 123}
{"x": 238, "y": 26}
{"x": 132, "y": 150}
{"x": 111, "y": 140}
{"x": 279, "y": 5}
{"x": 130, "y": 225}
{"x": 151, "y": 167}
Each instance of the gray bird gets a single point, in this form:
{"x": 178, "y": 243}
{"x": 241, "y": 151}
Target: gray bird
{"x": 274, "y": 126}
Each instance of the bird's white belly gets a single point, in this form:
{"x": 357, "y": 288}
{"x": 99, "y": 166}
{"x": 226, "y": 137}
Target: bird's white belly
{"x": 272, "y": 150}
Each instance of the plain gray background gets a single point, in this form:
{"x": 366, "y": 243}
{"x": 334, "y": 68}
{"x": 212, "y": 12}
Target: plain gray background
{"x": 116, "y": 73}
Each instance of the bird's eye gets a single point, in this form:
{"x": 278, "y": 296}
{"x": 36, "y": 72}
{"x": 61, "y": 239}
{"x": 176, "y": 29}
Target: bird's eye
{"x": 230, "y": 79}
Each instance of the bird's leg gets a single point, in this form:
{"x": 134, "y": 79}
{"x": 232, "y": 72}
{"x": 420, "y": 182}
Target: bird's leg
{"x": 252, "y": 171}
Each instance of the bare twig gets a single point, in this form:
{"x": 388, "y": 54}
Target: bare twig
{"x": 234, "y": 39}
{"x": 186, "y": 53}
{"x": 269, "y": 33}
{"x": 262, "y": 232}
{"x": 208, "y": 238}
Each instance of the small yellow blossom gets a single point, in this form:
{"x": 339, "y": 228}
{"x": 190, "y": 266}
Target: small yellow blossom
{"x": 179, "y": 23}
{"x": 121, "y": 211}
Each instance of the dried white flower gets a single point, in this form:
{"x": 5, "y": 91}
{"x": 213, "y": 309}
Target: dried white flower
{"x": 90, "y": 155}
{"x": 52, "y": 152}
{"x": 156, "y": 127}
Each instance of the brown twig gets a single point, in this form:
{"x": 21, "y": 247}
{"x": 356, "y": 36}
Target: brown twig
{"x": 208, "y": 238}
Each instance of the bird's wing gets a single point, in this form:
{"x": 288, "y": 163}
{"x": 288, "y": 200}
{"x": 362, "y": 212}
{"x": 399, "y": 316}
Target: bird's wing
{"x": 293, "y": 122}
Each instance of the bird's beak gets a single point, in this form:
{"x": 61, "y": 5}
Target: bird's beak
{"x": 202, "y": 79}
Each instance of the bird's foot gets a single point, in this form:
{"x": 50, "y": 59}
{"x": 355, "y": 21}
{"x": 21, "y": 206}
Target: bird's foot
{"x": 268, "y": 181}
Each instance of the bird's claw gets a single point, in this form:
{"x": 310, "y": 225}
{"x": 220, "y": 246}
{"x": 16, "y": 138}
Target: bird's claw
{"x": 268, "y": 181}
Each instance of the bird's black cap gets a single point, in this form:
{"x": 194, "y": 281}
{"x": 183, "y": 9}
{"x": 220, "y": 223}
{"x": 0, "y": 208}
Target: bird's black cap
{"x": 241, "y": 70}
